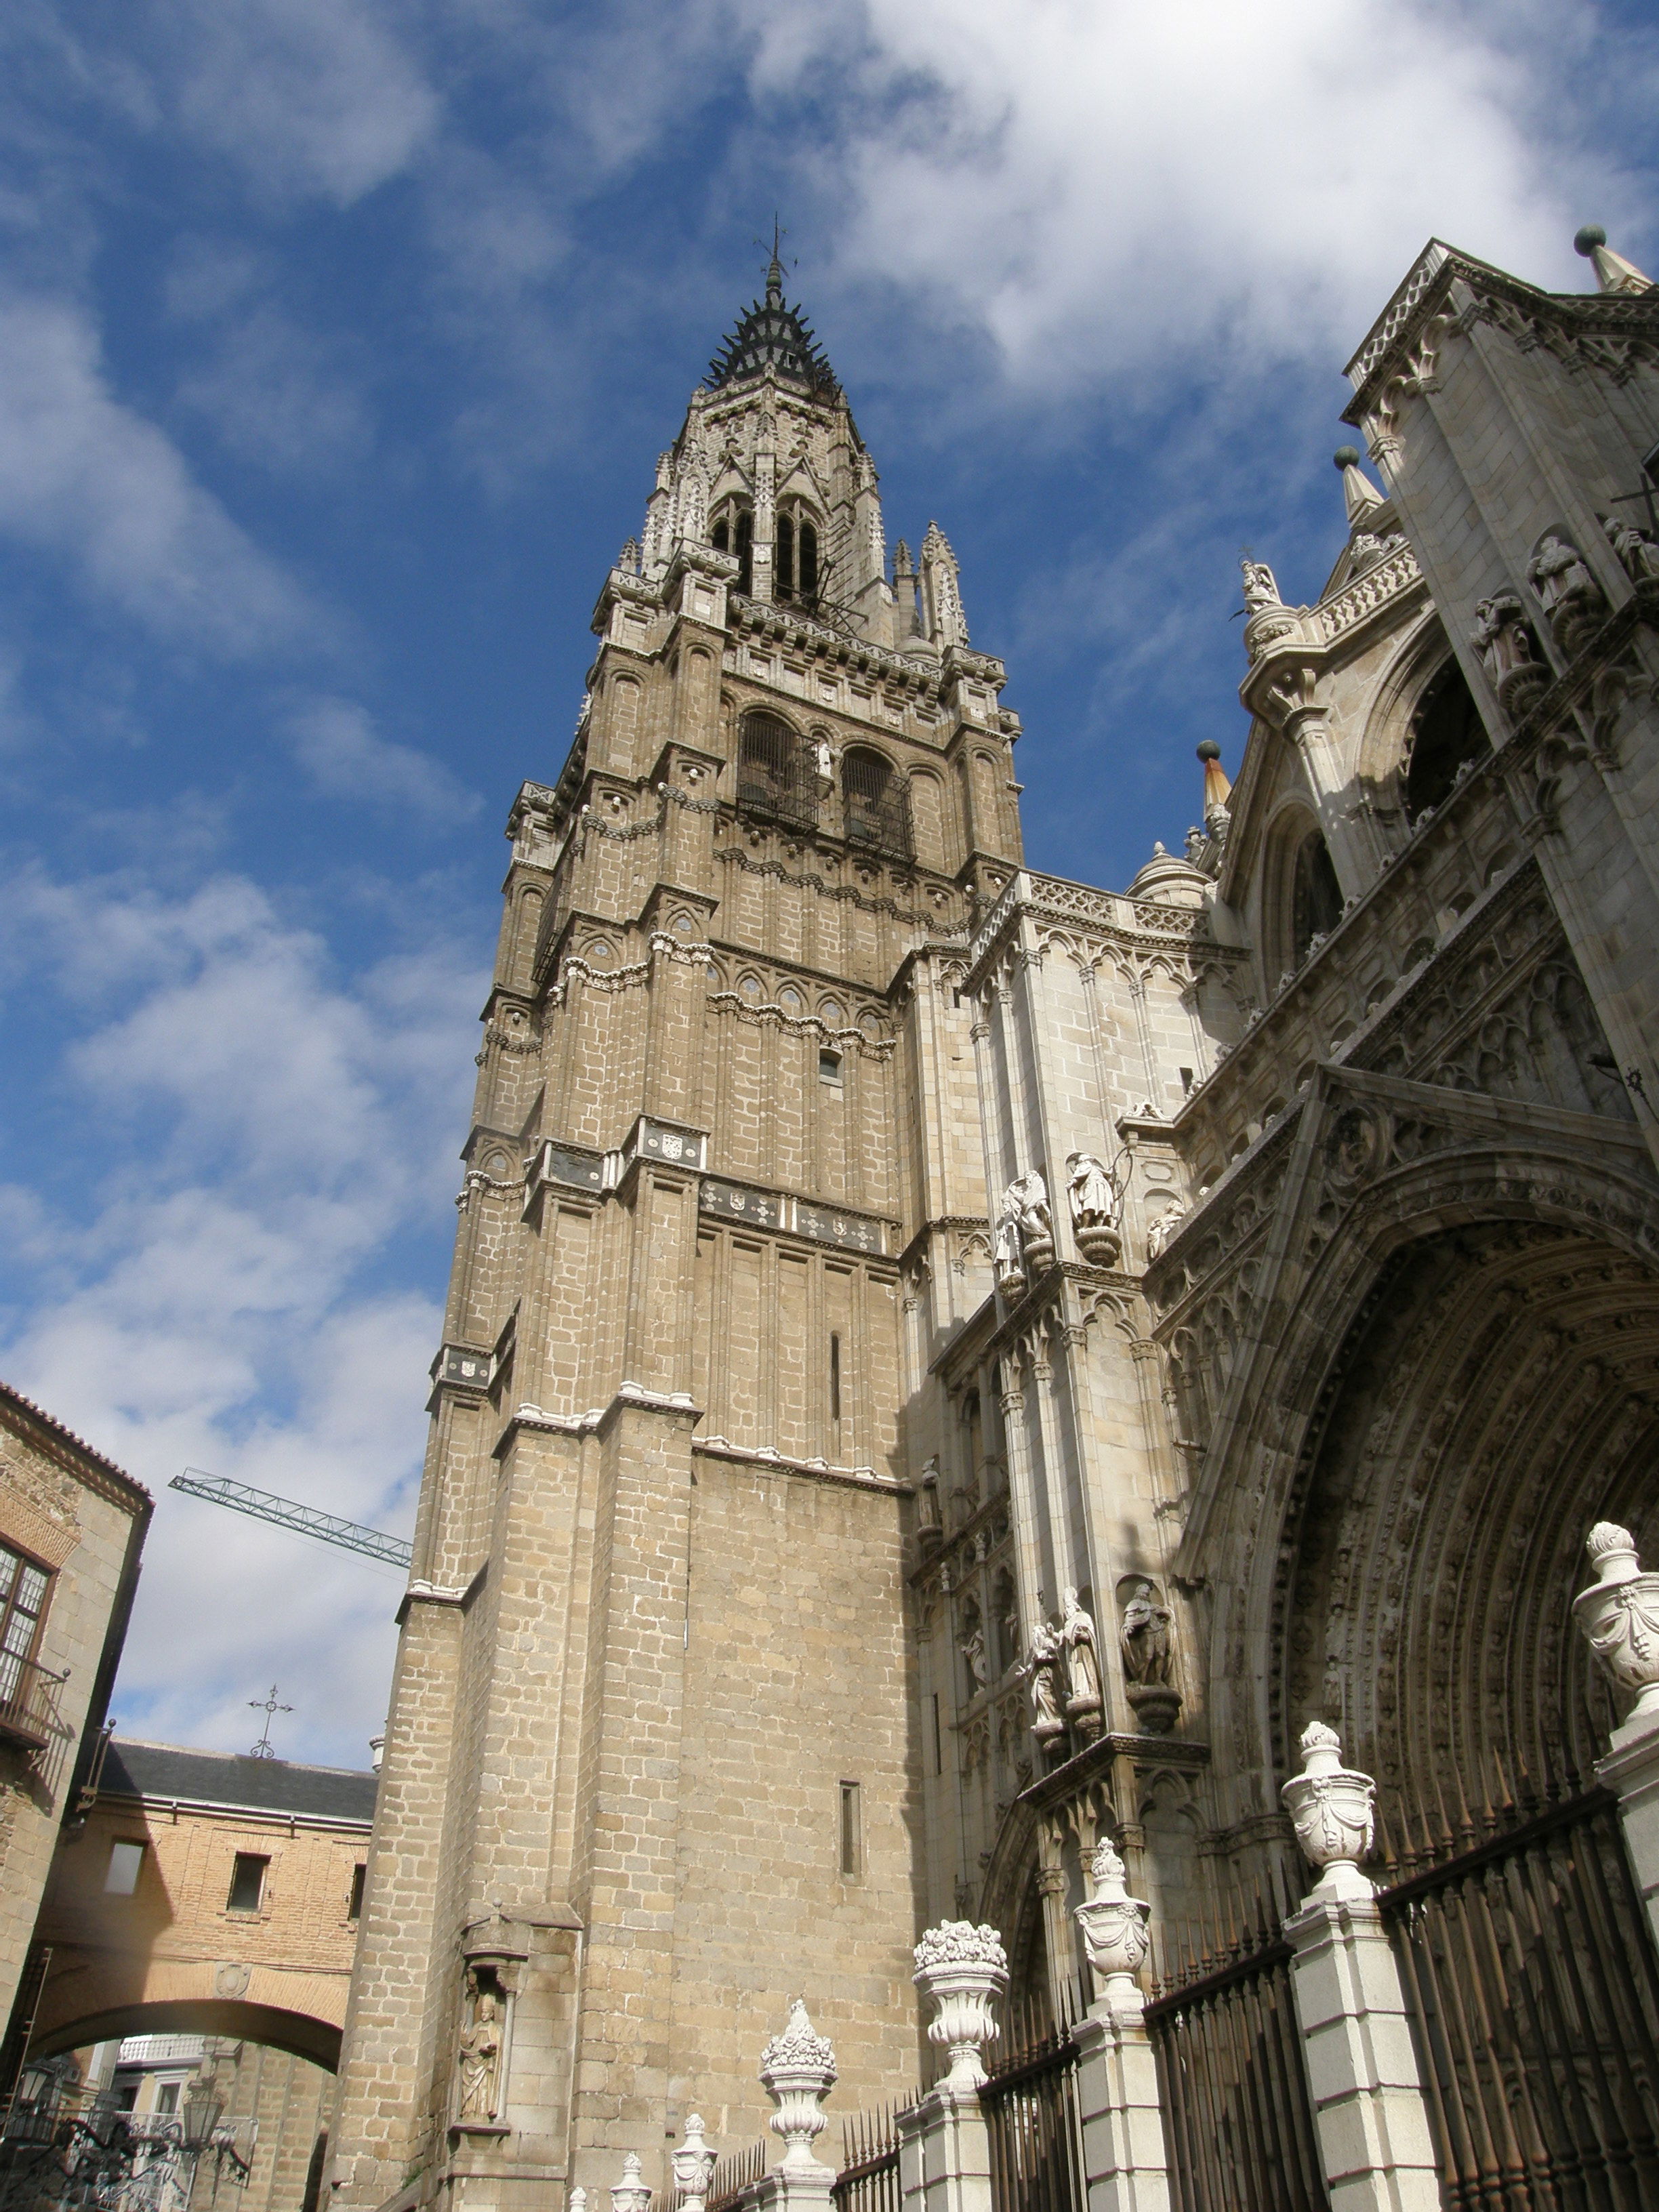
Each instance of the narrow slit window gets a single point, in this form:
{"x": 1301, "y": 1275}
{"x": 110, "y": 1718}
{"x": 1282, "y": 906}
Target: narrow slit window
{"x": 247, "y": 1882}
{"x": 851, "y": 1840}
{"x": 938, "y": 1739}
{"x": 359, "y": 1875}
{"x": 121, "y": 1878}
{"x": 786, "y": 557}
{"x": 808, "y": 563}
{"x": 835, "y": 1378}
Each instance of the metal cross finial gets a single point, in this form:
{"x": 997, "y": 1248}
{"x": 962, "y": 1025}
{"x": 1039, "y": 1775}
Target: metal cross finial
{"x": 269, "y": 1708}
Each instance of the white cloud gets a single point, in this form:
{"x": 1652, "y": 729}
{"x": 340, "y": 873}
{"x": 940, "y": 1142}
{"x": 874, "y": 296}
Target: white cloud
{"x": 257, "y": 1132}
{"x": 1099, "y": 188}
{"x": 306, "y": 96}
{"x": 335, "y": 743}
{"x": 86, "y": 479}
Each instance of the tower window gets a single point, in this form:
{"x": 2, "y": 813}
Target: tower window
{"x": 807, "y": 562}
{"x": 247, "y": 1882}
{"x": 783, "y": 567}
{"x": 852, "y": 1837}
{"x": 875, "y": 805}
{"x": 828, "y": 1065}
{"x": 775, "y": 775}
{"x": 835, "y": 1378}
{"x": 734, "y": 533}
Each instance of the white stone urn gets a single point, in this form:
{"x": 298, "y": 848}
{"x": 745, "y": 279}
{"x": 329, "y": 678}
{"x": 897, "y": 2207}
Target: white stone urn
{"x": 632, "y": 2193}
{"x": 962, "y": 1968}
{"x": 1113, "y": 1925}
{"x": 1619, "y": 1616}
{"x": 693, "y": 2162}
{"x": 797, "y": 2071}
{"x": 1333, "y": 1808}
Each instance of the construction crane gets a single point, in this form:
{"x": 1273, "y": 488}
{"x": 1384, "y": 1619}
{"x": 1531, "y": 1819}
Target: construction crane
{"x": 305, "y": 1520}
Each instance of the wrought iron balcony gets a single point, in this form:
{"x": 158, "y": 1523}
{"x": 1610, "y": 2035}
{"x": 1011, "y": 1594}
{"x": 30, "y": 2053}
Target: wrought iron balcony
{"x": 29, "y": 1702}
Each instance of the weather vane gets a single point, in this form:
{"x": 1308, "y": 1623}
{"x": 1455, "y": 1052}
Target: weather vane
{"x": 269, "y": 1708}
{"x": 779, "y": 233}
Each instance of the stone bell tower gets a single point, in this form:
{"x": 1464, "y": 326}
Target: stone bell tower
{"x": 651, "y": 1762}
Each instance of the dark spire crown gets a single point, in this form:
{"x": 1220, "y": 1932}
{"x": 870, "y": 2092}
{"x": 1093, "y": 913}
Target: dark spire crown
{"x": 774, "y": 334}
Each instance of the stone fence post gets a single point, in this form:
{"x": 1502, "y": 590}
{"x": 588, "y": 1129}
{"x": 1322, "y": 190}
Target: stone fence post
{"x": 1619, "y": 1615}
{"x": 797, "y": 2071}
{"x": 1372, "y": 2124}
{"x": 945, "y": 2150}
{"x": 1124, "y": 2160}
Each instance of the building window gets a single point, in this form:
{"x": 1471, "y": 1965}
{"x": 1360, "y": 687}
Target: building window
{"x": 795, "y": 561}
{"x": 247, "y": 1882}
{"x": 121, "y": 1878}
{"x": 1446, "y": 731}
{"x": 875, "y": 803}
{"x": 166, "y": 2097}
{"x": 1315, "y": 894}
{"x": 828, "y": 1065}
{"x": 734, "y": 533}
{"x": 775, "y": 774}
{"x": 23, "y": 1589}
{"x": 359, "y": 1875}
{"x": 835, "y": 1378}
{"x": 851, "y": 1838}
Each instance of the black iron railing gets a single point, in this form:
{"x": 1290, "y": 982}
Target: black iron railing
{"x": 732, "y": 2176}
{"x": 1530, "y": 1973}
{"x": 29, "y": 1701}
{"x": 869, "y": 2177}
{"x": 1238, "y": 2118}
{"x": 1032, "y": 2119}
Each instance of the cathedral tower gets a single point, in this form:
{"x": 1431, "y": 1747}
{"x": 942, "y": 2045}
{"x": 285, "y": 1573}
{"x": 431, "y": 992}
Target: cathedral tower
{"x": 651, "y": 1762}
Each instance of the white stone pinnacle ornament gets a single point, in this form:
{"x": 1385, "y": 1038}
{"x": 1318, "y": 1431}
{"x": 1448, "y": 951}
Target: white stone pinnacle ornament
{"x": 1113, "y": 1926}
{"x": 631, "y": 2193}
{"x": 797, "y": 2071}
{"x": 1333, "y": 1808}
{"x": 962, "y": 1967}
{"x": 693, "y": 2163}
{"x": 1619, "y": 1615}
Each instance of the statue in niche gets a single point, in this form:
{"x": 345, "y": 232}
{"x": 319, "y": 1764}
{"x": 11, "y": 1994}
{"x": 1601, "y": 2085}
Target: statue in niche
{"x": 1261, "y": 589}
{"x": 1163, "y": 1228}
{"x": 1504, "y": 641}
{"x": 1570, "y": 596}
{"x": 823, "y": 759}
{"x": 1077, "y": 1637}
{"x": 1146, "y": 1633}
{"x": 972, "y": 1647}
{"x": 480, "y": 2052}
{"x": 1096, "y": 1197}
{"x": 1638, "y": 557}
{"x": 1043, "y": 1657}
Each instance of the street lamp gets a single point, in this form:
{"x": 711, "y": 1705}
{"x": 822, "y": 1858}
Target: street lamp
{"x": 199, "y": 2117}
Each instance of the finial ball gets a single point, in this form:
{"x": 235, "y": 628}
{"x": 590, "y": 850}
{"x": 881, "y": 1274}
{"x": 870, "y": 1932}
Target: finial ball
{"x": 1586, "y": 240}
{"x": 1208, "y": 750}
{"x": 1346, "y": 457}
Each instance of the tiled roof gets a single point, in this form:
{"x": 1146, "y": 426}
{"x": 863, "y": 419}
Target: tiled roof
{"x": 132, "y": 1769}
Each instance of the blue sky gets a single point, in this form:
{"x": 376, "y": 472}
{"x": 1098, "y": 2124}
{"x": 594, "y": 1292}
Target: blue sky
{"x": 337, "y": 338}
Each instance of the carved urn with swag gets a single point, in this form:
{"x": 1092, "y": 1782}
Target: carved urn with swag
{"x": 1113, "y": 1925}
{"x": 1619, "y": 1615}
{"x": 1333, "y": 1810}
{"x": 797, "y": 2071}
{"x": 962, "y": 1968}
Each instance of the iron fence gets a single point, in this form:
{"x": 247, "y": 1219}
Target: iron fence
{"x": 1530, "y": 1973}
{"x": 732, "y": 2177}
{"x": 1033, "y": 2120}
{"x": 1238, "y": 2118}
{"x": 869, "y": 2177}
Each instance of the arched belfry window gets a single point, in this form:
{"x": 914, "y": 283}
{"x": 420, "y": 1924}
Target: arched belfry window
{"x": 795, "y": 561}
{"x": 875, "y": 803}
{"x": 734, "y": 533}
{"x": 775, "y": 772}
{"x": 1446, "y": 732}
{"x": 1315, "y": 894}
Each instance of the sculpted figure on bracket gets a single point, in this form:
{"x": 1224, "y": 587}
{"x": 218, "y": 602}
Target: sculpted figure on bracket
{"x": 1096, "y": 1193}
{"x": 1040, "y": 1669}
{"x": 1147, "y": 1636}
{"x": 479, "y": 2054}
{"x": 1261, "y": 589}
{"x": 1637, "y": 554}
{"x": 1025, "y": 1228}
{"x": 1503, "y": 640}
{"x": 1570, "y": 595}
{"x": 1077, "y": 1634}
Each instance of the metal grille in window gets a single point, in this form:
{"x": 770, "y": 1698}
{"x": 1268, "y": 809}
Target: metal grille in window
{"x": 775, "y": 773}
{"x": 875, "y": 803}
{"x": 23, "y": 1595}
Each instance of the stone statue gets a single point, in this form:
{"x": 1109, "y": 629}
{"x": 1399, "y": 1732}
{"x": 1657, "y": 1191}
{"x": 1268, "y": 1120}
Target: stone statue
{"x": 973, "y": 1651}
{"x": 1042, "y": 1658}
{"x": 1162, "y": 1228}
{"x": 1147, "y": 1636}
{"x": 1570, "y": 595}
{"x": 1009, "y": 1251}
{"x": 1024, "y": 1225}
{"x": 1503, "y": 640}
{"x": 823, "y": 759}
{"x": 1639, "y": 556}
{"x": 1093, "y": 1192}
{"x": 1077, "y": 1634}
{"x": 479, "y": 2057}
{"x": 1260, "y": 588}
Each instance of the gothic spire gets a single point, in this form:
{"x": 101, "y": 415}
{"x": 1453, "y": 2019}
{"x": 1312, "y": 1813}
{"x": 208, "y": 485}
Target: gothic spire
{"x": 774, "y": 334}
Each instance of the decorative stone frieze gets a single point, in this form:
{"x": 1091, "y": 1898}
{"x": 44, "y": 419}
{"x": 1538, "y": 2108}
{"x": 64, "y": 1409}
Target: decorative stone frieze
{"x": 961, "y": 1968}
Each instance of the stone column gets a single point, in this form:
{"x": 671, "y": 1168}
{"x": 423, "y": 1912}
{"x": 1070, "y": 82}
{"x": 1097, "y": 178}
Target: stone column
{"x": 944, "y": 2151}
{"x": 1619, "y": 1615}
{"x": 1373, "y": 2126}
{"x": 1125, "y": 2160}
{"x": 797, "y": 2071}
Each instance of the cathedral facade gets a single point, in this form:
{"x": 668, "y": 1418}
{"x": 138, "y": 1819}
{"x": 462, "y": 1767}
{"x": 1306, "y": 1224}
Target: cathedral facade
{"x": 945, "y": 1366}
